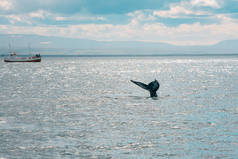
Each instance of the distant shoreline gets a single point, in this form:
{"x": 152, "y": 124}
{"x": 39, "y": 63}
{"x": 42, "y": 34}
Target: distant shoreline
{"x": 136, "y": 55}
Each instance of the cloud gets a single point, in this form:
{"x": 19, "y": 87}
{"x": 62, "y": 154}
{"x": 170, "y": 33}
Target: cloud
{"x": 45, "y": 42}
{"x": 178, "y": 11}
{"x": 184, "y": 34}
{"x": 13, "y": 19}
{"x": 189, "y": 34}
{"x": 197, "y": 21}
{"x": 78, "y": 17}
{"x": 186, "y": 8}
{"x": 5, "y": 5}
{"x": 205, "y": 3}
{"x": 39, "y": 14}
{"x": 43, "y": 17}
{"x": 101, "y": 7}
{"x": 25, "y": 19}
{"x": 141, "y": 16}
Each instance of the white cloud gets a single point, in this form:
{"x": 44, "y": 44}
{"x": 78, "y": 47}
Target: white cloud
{"x": 39, "y": 14}
{"x": 78, "y": 17}
{"x": 178, "y": 11}
{"x": 142, "y": 26}
{"x": 33, "y": 17}
{"x": 186, "y": 8}
{"x": 6, "y": 4}
{"x": 184, "y": 34}
{"x": 205, "y": 3}
{"x": 45, "y": 42}
{"x": 26, "y": 18}
{"x": 141, "y": 16}
{"x": 59, "y": 18}
{"x": 18, "y": 18}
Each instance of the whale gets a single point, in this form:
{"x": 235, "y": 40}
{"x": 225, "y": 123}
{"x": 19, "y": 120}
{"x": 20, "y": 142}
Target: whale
{"x": 152, "y": 87}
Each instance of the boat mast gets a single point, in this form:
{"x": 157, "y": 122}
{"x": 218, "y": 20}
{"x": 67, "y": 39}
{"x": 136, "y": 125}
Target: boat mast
{"x": 29, "y": 48}
{"x": 10, "y": 49}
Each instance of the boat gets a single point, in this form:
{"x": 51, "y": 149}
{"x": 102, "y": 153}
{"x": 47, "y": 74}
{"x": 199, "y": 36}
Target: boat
{"x": 13, "y": 57}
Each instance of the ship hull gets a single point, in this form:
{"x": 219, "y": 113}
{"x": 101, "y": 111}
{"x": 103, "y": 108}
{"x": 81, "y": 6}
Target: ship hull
{"x": 26, "y": 59}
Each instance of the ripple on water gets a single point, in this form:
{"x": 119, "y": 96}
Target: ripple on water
{"x": 88, "y": 108}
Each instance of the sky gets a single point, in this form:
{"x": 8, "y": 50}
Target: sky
{"x": 179, "y": 22}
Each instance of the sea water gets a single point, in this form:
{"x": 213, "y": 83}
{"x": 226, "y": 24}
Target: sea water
{"x": 86, "y": 107}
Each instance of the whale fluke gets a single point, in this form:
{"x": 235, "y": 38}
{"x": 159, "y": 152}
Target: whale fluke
{"x": 152, "y": 87}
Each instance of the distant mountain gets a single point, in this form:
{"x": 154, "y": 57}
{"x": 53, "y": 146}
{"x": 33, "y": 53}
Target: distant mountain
{"x": 70, "y": 46}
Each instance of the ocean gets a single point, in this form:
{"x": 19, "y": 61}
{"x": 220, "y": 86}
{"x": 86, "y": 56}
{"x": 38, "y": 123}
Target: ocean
{"x": 86, "y": 107}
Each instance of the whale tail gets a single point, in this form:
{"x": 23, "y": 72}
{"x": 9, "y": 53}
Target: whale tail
{"x": 152, "y": 87}
{"x": 140, "y": 84}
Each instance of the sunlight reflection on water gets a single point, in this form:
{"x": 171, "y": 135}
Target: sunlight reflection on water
{"x": 87, "y": 108}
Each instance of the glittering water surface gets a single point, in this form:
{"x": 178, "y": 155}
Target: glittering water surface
{"x": 88, "y": 108}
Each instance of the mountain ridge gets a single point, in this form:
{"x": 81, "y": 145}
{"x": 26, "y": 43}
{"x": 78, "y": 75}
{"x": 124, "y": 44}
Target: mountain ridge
{"x": 72, "y": 46}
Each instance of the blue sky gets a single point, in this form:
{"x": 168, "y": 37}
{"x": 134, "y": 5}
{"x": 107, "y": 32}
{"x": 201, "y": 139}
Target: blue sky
{"x": 180, "y": 22}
